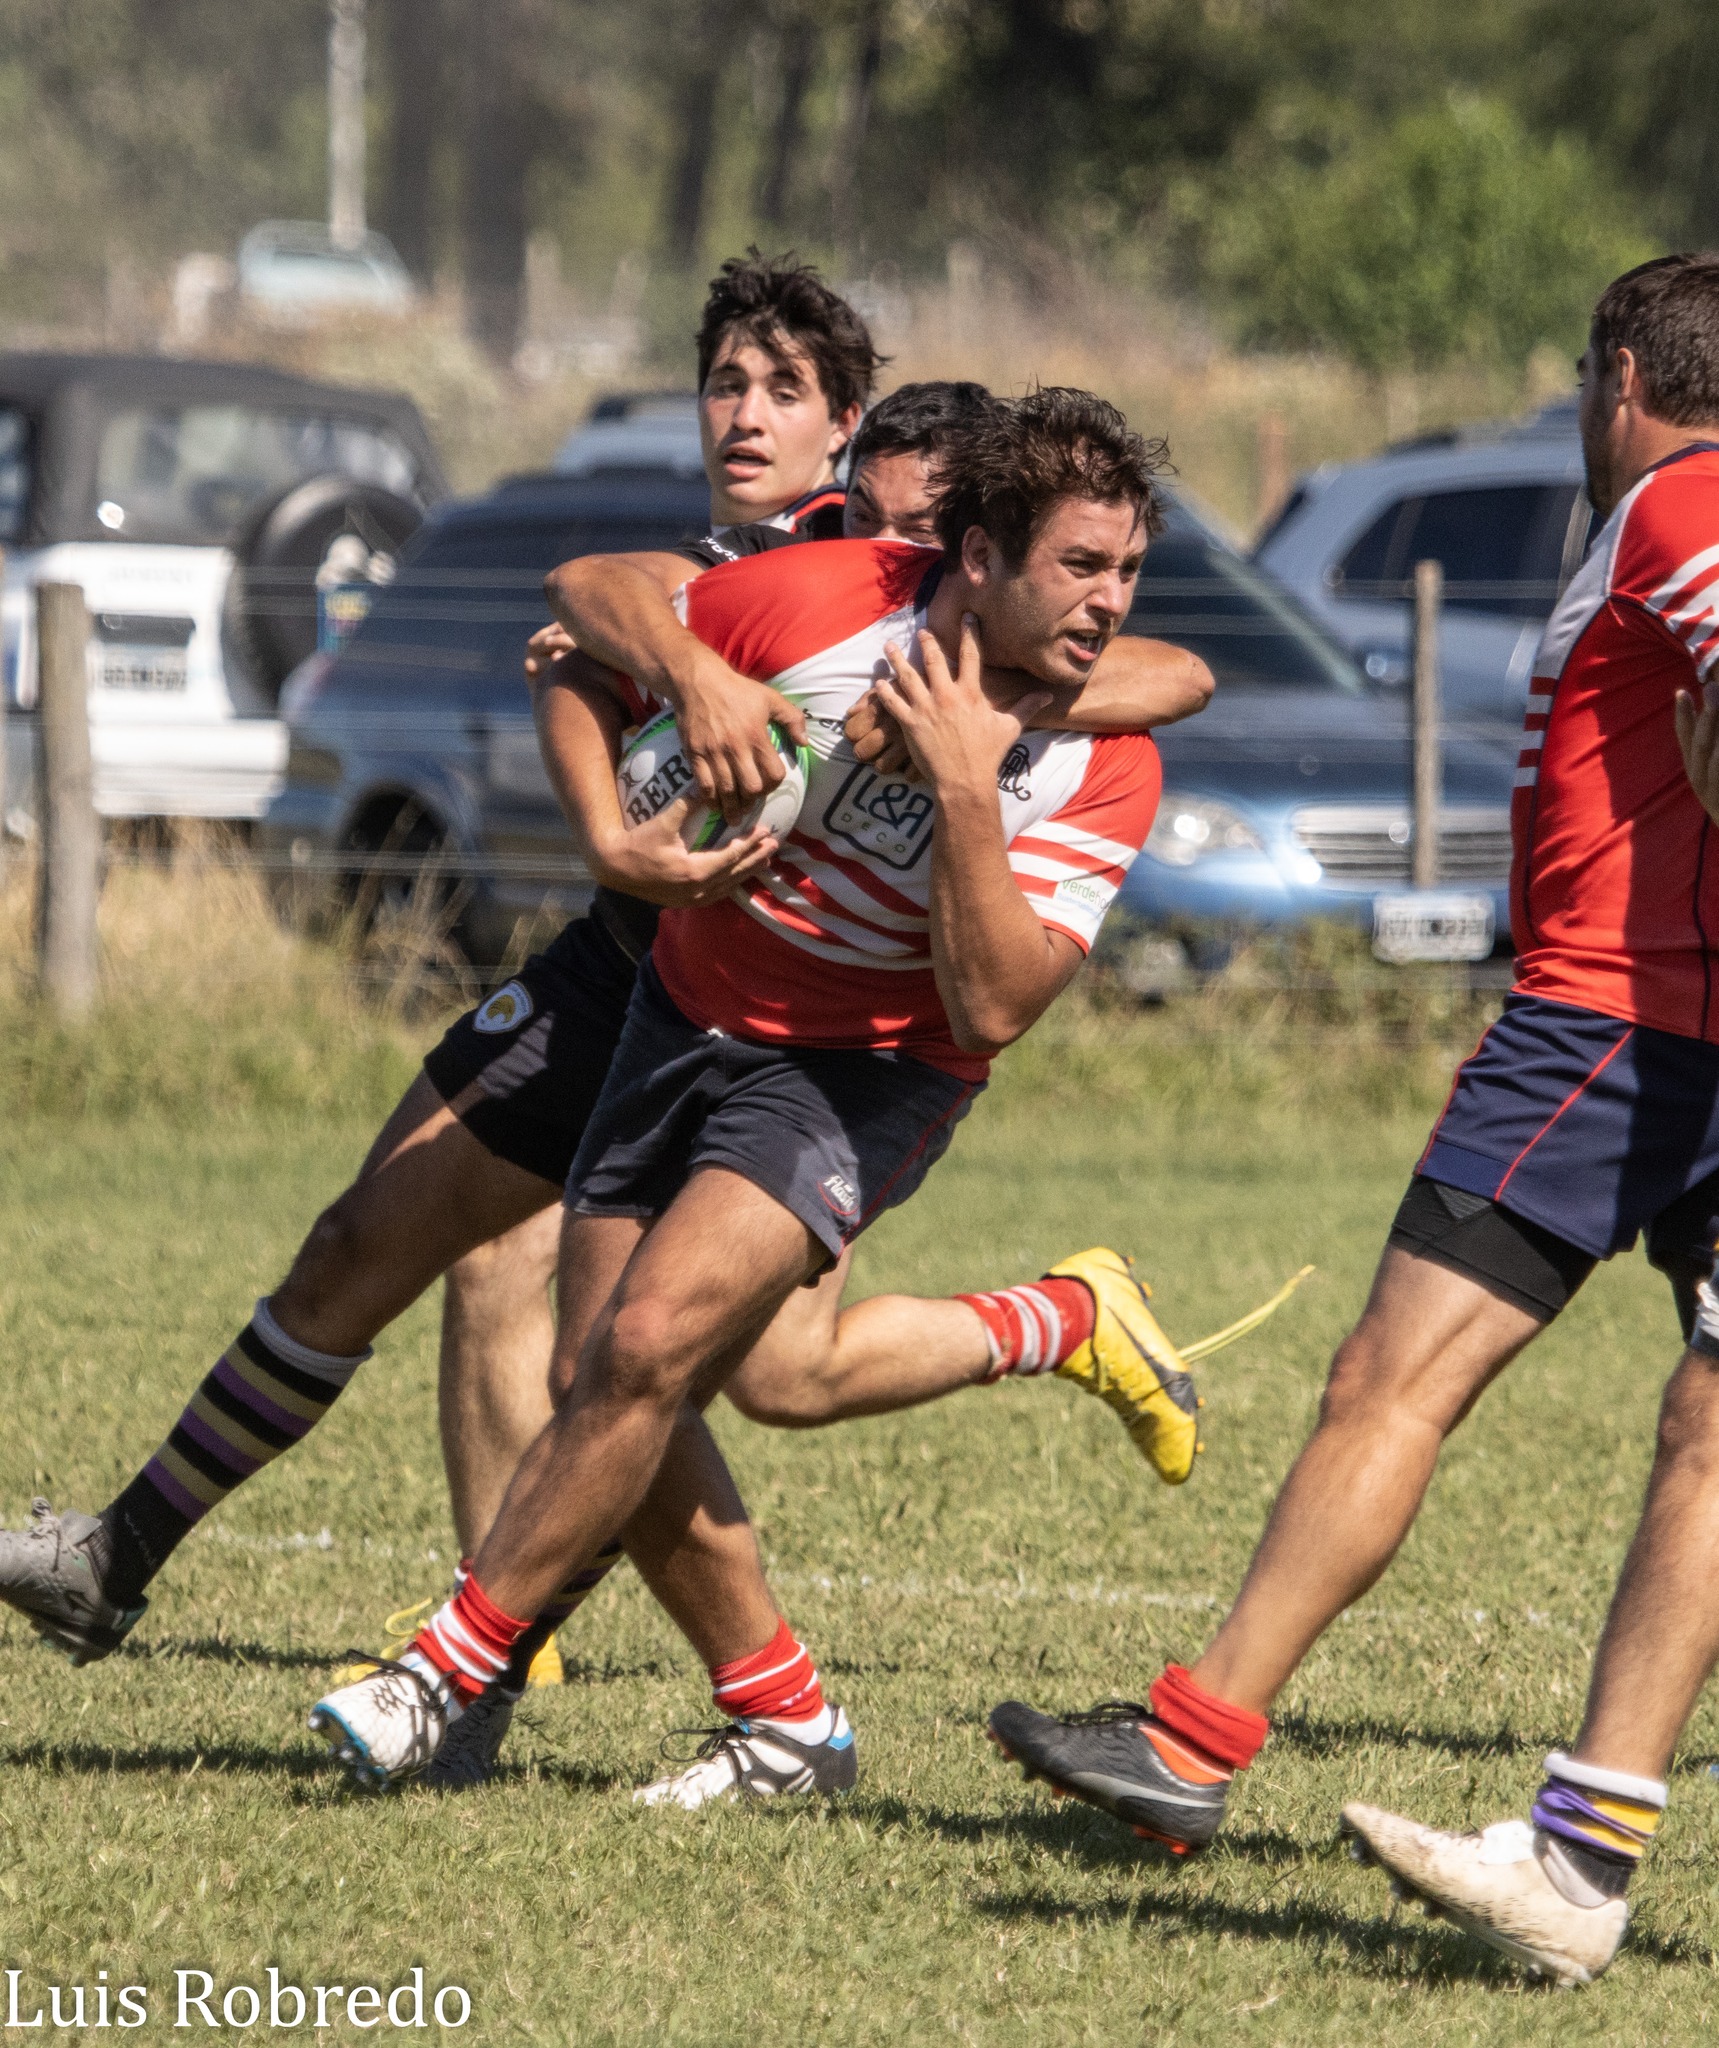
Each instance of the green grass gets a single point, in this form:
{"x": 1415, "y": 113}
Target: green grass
{"x": 166, "y": 1809}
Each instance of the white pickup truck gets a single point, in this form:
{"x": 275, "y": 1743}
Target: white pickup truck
{"x": 194, "y": 502}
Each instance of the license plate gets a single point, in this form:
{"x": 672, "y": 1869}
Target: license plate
{"x": 1430, "y": 925}
{"x": 147, "y": 669}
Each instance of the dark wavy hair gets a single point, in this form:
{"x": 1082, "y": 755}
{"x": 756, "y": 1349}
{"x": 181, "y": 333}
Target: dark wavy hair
{"x": 770, "y": 300}
{"x": 921, "y": 419}
{"x": 1012, "y": 466}
{"x": 1666, "y": 313}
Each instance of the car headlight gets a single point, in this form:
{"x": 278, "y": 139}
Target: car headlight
{"x": 1188, "y": 828}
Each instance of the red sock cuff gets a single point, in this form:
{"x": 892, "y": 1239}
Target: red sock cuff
{"x": 1230, "y": 1734}
{"x": 479, "y": 1612}
{"x": 777, "y": 1682}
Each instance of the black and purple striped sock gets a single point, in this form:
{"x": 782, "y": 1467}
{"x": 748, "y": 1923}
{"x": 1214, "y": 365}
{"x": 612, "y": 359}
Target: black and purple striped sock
{"x": 265, "y": 1393}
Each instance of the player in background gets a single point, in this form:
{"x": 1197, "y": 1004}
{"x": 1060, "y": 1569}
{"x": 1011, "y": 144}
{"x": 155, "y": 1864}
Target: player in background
{"x": 749, "y": 1130}
{"x": 478, "y": 1142}
{"x": 1589, "y": 1113}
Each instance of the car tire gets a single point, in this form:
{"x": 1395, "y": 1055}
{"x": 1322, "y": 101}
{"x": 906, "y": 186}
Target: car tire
{"x": 270, "y": 621}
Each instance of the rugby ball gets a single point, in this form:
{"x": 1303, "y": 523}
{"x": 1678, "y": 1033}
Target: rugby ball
{"x": 654, "y": 770}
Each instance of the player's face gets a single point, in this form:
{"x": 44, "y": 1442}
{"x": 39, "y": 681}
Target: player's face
{"x": 1597, "y": 413}
{"x": 1055, "y": 614}
{"x": 767, "y": 431}
{"x": 890, "y": 499}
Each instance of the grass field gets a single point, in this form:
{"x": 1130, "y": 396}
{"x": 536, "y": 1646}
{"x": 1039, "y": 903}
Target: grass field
{"x": 166, "y": 1810}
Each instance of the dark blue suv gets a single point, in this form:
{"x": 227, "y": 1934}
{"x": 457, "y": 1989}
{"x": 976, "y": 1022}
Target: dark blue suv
{"x": 413, "y": 751}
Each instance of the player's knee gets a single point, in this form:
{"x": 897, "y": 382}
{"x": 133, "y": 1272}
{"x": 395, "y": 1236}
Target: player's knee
{"x": 341, "y": 1242}
{"x": 645, "y": 1355}
{"x": 1689, "y": 1413}
{"x": 777, "y": 1400}
{"x": 1362, "y": 1378}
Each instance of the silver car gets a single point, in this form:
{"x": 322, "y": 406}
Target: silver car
{"x": 1506, "y": 512}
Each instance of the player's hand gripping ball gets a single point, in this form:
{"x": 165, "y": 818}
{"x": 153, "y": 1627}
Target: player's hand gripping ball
{"x": 654, "y": 771}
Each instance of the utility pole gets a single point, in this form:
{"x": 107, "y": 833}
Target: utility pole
{"x": 1428, "y": 761}
{"x": 69, "y": 877}
{"x": 346, "y": 222}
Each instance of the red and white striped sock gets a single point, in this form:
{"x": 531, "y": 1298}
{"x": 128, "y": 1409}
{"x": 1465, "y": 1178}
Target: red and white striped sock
{"x": 467, "y": 1642}
{"x": 776, "y": 1683}
{"x": 1034, "y": 1328}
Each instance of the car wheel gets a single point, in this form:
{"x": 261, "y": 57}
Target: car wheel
{"x": 270, "y": 621}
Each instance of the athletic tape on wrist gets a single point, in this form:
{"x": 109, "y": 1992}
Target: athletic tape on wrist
{"x": 321, "y": 1365}
{"x": 1705, "y": 1335}
{"x": 1595, "y": 1778}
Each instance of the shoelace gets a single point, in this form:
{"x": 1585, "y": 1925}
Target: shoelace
{"x": 1108, "y": 1713}
{"x": 713, "y": 1743}
{"x": 429, "y": 1695}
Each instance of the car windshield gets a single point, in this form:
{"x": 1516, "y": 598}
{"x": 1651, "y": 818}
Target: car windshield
{"x": 1248, "y": 630}
{"x": 195, "y": 473}
{"x": 484, "y": 572}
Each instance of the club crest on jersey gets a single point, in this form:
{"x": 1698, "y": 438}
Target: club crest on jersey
{"x": 506, "y": 1010}
{"x": 890, "y": 820}
{"x": 1015, "y": 777}
{"x": 840, "y": 1195}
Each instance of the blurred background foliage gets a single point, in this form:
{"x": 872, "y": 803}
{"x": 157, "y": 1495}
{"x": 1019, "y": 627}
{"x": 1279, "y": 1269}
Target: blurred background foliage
{"x": 1436, "y": 187}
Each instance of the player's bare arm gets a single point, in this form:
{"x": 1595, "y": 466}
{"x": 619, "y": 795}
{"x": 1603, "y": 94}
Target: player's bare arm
{"x": 619, "y": 609}
{"x": 1137, "y": 685}
{"x": 1698, "y": 736}
{"x": 580, "y": 722}
{"x": 998, "y": 969}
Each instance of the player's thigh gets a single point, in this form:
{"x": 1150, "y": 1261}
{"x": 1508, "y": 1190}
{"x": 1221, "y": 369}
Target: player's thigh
{"x": 421, "y": 1203}
{"x": 1429, "y": 1341}
{"x": 704, "y": 1281}
{"x": 795, "y": 1351}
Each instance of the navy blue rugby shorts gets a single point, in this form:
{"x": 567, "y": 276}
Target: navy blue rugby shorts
{"x": 835, "y": 1136}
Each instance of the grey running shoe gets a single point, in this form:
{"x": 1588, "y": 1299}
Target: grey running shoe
{"x": 470, "y": 1747}
{"x": 48, "y": 1573}
{"x": 386, "y": 1727}
{"x": 1107, "y": 1758}
{"x": 743, "y": 1760}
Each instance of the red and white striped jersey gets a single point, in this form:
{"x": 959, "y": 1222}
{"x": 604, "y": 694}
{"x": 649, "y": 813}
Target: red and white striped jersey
{"x": 1615, "y": 882}
{"x": 831, "y": 945}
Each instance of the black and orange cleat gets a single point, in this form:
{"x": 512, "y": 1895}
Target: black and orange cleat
{"x": 1121, "y": 1759}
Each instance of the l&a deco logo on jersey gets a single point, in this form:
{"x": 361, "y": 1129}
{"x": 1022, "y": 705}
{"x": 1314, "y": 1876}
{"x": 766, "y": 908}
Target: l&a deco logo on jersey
{"x": 506, "y": 1010}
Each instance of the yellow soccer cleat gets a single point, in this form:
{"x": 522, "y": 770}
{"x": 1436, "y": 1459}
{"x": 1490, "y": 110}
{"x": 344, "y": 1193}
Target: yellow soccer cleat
{"x": 399, "y": 1628}
{"x": 546, "y": 1667}
{"x": 1131, "y": 1365}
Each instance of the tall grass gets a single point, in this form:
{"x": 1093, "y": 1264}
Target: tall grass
{"x": 210, "y": 1007}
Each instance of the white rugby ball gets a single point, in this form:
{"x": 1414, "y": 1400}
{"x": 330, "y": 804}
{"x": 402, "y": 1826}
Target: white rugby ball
{"x": 654, "y": 770}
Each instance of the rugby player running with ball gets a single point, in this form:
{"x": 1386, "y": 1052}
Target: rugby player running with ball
{"x": 795, "y": 1060}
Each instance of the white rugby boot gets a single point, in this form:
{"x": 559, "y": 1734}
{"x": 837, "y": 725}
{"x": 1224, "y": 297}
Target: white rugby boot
{"x": 1496, "y": 1885}
{"x": 756, "y": 1760}
{"x": 386, "y": 1727}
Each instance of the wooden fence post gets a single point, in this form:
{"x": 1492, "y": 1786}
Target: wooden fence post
{"x": 1428, "y": 757}
{"x": 69, "y": 872}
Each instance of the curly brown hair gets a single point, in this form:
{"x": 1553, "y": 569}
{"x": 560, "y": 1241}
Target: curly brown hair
{"x": 769, "y": 300}
{"x": 1666, "y": 313}
{"x": 1020, "y": 458}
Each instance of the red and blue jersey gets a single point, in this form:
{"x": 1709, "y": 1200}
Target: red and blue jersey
{"x": 831, "y": 944}
{"x": 1615, "y": 879}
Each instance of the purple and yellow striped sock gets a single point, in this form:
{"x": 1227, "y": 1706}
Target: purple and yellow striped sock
{"x": 265, "y": 1393}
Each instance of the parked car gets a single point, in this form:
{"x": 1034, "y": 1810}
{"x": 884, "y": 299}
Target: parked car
{"x": 292, "y": 270}
{"x": 414, "y": 744}
{"x": 194, "y": 503}
{"x": 636, "y": 433}
{"x": 1505, "y": 511}
{"x": 1289, "y": 797}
